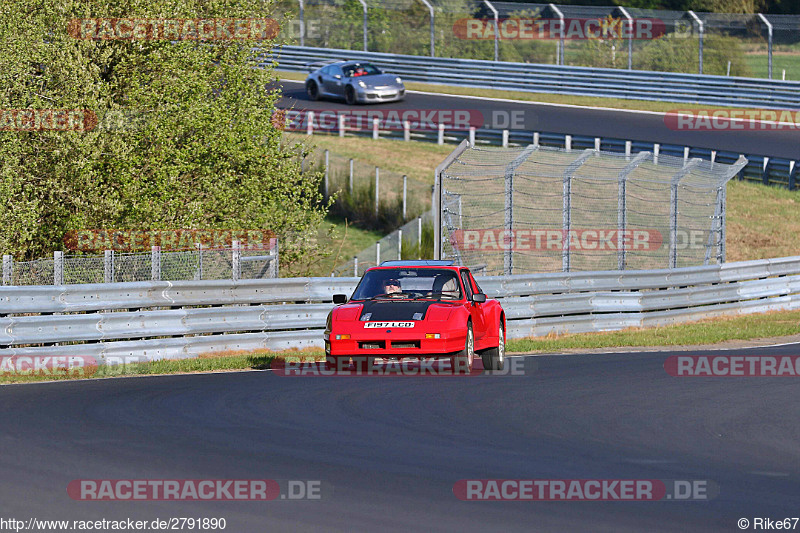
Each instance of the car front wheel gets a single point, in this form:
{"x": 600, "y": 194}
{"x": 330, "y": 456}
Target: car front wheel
{"x": 494, "y": 358}
{"x": 463, "y": 360}
{"x": 350, "y": 95}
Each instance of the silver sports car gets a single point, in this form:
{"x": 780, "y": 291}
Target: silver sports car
{"x": 358, "y": 82}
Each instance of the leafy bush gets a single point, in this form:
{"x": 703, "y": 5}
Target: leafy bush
{"x": 673, "y": 53}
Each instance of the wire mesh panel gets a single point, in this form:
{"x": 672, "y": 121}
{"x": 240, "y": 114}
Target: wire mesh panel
{"x": 538, "y": 209}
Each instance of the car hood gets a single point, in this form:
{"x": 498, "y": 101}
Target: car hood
{"x": 393, "y": 310}
{"x": 379, "y": 80}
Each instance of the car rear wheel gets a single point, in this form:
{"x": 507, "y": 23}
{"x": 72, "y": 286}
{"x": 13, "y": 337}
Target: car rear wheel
{"x": 313, "y": 90}
{"x": 350, "y": 95}
{"x": 463, "y": 360}
{"x": 494, "y": 358}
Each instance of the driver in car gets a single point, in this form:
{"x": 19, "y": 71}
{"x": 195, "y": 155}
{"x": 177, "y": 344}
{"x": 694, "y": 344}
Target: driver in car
{"x": 391, "y": 286}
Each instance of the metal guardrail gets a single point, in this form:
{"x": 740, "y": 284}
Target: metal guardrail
{"x": 156, "y": 320}
{"x": 557, "y": 79}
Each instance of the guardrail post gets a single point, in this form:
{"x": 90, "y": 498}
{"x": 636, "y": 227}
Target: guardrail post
{"x": 341, "y": 125}
{"x": 58, "y": 268}
{"x": 155, "y": 263}
{"x": 505, "y": 138}
{"x": 351, "y": 176}
{"x": 310, "y": 123}
{"x": 536, "y": 138}
{"x": 399, "y": 244}
{"x": 375, "y": 131}
{"x": 622, "y": 207}
{"x": 405, "y": 195}
{"x": 656, "y": 150}
{"x": 567, "y": 207}
{"x": 769, "y": 43}
{"x": 673, "y": 211}
{"x": 8, "y": 269}
{"x": 685, "y": 154}
{"x": 792, "y": 175}
{"x": 440, "y": 138}
{"x": 628, "y": 146}
{"x": 764, "y": 171}
{"x": 597, "y": 144}
{"x": 406, "y": 130}
{"x": 236, "y": 261}
{"x": 568, "y": 143}
{"x": 700, "y": 40}
{"x": 472, "y": 135}
{"x": 108, "y": 266}
{"x": 327, "y": 172}
{"x": 378, "y": 253}
{"x": 377, "y": 191}
{"x": 355, "y": 266}
{"x": 419, "y": 237}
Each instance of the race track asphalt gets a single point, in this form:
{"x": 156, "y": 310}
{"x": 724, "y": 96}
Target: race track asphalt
{"x": 619, "y": 124}
{"x": 388, "y": 450}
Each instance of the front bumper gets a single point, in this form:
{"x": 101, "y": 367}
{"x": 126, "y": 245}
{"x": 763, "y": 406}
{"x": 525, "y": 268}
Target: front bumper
{"x": 403, "y": 343}
{"x": 374, "y": 96}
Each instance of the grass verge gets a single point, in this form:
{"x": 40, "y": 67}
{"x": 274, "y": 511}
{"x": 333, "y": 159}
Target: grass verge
{"x": 705, "y": 332}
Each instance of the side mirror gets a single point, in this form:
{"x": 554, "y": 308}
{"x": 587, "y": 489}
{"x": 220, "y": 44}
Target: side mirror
{"x": 339, "y": 299}
{"x": 479, "y": 297}
{"x": 337, "y": 76}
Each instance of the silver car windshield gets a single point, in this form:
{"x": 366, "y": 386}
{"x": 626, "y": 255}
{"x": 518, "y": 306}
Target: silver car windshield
{"x": 360, "y": 69}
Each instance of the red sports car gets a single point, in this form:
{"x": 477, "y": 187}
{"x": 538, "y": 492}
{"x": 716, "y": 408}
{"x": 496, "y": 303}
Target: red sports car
{"x": 416, "y": 309}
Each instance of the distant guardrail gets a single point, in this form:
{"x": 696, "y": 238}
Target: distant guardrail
{"x": 557, "y": 79}
{"x": 162, "y": 319}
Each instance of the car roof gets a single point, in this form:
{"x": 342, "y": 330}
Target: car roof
{"x": 418, "y": 262}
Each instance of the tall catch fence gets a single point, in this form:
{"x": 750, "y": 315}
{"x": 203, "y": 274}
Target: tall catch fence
{"x": 538, "y": 209}
{"x": 595, "y": 36}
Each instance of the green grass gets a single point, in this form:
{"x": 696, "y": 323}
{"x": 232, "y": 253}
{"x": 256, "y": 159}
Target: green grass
{"x": 343, "y": 241}
{"x": 789, "y": 62}
{"x": 756, "y": 326}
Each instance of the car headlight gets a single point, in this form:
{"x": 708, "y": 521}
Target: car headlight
{"x": 398, "y": 80}
{"x": 362, "y": 84}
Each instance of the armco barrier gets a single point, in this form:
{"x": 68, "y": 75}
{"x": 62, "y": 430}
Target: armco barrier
{"x": 584, "y": 81}
{"x": 157, "y": 320}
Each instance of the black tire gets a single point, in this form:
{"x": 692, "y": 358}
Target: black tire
{"x": 312, "y": 90}
{"x": 495, "y": 358}
{"x": 462, "y": 361}
{"x": 350, "y": 95}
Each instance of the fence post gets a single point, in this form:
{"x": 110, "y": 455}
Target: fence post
{"x": 472, "y": 135}
{"x": 399, "y": 244}
{"x": 236, "y": 261}
{"x": 364, "y": 6}
{"x": 198, "y": 275}
{"x": 721, "y": 256}
{"x": 155, "y": 263}
{"x": 406, "y": 130}
{"x": 673, "y": 211}
{"x": 310, "y": 123}
{"x": 108, "y": 266}
{"x": 508, "y": 222}
{"x": 440, "y": 138}
{"x": 377, "y": 191}
{"x": 622, "y": 207}
{"x": 355, "y": 266}
{"x": 351, "y": 176}
{"x": 430, "y": 10}
{"x": 630, "y": 35}
{"x": 700, "y": 40}
{"x": 302, "y": 24}
{"x": 378, "y": 253}
{"x": 496, "y": 30}
{"x": 405, "y": 195}
{"x": 560, "y": 50}
{"x": 274, "y": 264}
{"x": 341, "y": 125}
{"x": 375, "y": 134}
{"x": 58, "y": 268}
{"x": 566, "y": 213}
{"x": 8, "y": 269}
{"x": 327, "y": 171}
{"x": 419, "y": 237}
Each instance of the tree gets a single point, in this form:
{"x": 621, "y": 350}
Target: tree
{"x": 184, "y": 136}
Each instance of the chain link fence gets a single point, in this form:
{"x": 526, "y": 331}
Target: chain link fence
{"x": 201, "y": 263}
{"x": 611, "y": 36}
{"x": 538, "y": 209}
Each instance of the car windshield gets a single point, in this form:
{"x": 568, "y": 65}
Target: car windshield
{"x": 408, "y": 283}
{"x": 360, "y": 69}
